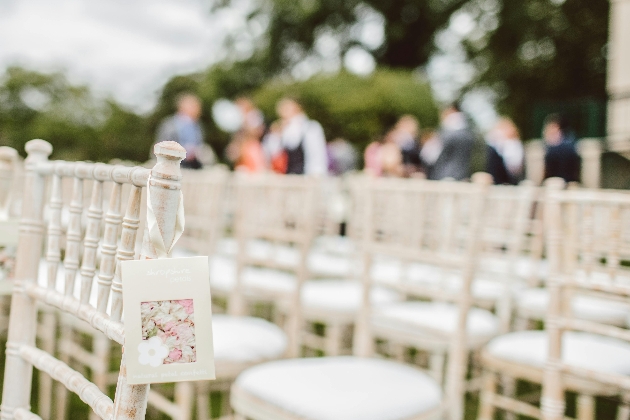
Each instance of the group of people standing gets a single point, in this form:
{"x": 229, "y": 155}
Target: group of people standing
{"x": 296, "y": 144}
{"x": 441, "y": 154}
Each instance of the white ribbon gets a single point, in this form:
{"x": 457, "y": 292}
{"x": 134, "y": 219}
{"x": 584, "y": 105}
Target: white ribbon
{"x": 154, "y": 230}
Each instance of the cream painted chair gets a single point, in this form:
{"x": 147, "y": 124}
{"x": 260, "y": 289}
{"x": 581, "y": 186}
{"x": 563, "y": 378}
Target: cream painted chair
{"x": 353, "y": 388}
{"x": 575, "y": 247}
{"x": 74, "y": 299}
{"x": 589, "y": 258}
{"x": 204, "y": 198}
{"x": 9, "y": 167}
{"x": 273, "y": 209}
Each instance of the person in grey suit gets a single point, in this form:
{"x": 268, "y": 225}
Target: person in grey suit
{"x": 455, "y": 144}
{"x": 184, "y": 128}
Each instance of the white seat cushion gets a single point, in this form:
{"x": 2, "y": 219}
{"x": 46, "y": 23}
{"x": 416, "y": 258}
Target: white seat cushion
{"x": 322, "y": 264}
{"x": 227, "y": 246}
{"x": 342, "y": 388}
{"x": 223, "y": 277}
{"x": 534, "y": 302}
{"x": 341, "y": 245}
{"x": 524, "y": 266}
{"x": 388, "y": 271}
{"x": 414, "y": 316}
{"x": 391, "y": 272}
{"x": 246, "y": 339}
{"x": 579, "y": 349}
{"x": 341, "y": 296}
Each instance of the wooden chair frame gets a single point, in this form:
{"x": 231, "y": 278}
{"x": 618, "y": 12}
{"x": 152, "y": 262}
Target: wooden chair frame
{"x": 22, "y": 355}
{"x": 439, "y": 249}
{"x": 584, "y": 259}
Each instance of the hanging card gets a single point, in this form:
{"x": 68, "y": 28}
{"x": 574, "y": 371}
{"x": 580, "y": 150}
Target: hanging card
{"x": 168, "y": 320}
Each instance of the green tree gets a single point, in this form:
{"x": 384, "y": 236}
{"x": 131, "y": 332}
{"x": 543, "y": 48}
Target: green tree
{"x": 540, "y": 51}
{"x": 528, "y": 51}
{"x": 293, "y": 28}
{"x": 78, "y": 125}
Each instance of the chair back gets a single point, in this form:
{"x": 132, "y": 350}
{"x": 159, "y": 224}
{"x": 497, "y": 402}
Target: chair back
{"x": 588, "y": 247}
{"x": 434, "y": 224}
{"x": 204, "y": 194}
{"x": 85, "y": 236}
{"x": 505, "y": 229}
{"x": 282, "y": 211}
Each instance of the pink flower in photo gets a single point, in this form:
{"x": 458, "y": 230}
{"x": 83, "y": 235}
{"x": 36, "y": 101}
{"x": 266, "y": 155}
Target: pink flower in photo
{"x": 172, "y": 322}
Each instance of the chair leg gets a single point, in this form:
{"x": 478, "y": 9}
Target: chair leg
{"x": 333, "y": 339}
{"x": 585, "y": 407}
{"x": 203, "y": 400}
{"x": 184, "y": 395}
{"x": 489, "y": 388}
{"x": 436, "y": 366}
{"x": 226, "y": 408}
{"x": 623, "y": 412}
{"x": 508, "y": 386}
{"x": 61, "y": 392}
{"x": 102, "y": 347}
{"x": 521, "y": 324}
{"x": 48, "y": 338}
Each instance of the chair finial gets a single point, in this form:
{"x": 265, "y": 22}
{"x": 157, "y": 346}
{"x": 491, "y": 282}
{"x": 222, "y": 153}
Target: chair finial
{"x": 8, "y": 154}
{"x": 40, "y": 148}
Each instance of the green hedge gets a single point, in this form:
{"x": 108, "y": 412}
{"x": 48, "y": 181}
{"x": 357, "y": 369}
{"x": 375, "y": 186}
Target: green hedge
{"x": 358, "y": 109}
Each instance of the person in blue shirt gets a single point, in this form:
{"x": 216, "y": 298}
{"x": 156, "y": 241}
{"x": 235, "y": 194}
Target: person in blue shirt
{"x": 184, "y": 128}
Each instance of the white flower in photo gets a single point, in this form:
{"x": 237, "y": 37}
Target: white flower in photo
{"x": 152, "y": 352}
{"x": 172, "y": 321}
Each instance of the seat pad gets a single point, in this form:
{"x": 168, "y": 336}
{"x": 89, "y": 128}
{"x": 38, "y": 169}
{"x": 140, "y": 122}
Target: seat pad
{"x": 342, "y": 388}
{"x": 223, "y": 277}
{"x": 438, "y": 316}
{"x": 536, "y": 300}
{"x": 580, "y": 349}
{"x": 341, "y": 296}
{"x": 246, "y": 339}
{"x": 340, "y": 245}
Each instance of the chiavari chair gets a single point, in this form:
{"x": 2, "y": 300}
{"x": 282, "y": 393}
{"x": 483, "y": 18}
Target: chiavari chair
{"x": 81, "y": 276}
{"x": 588, "y": 236}
{"x": 583, "y": 231}
{"x": 364, "y": 387}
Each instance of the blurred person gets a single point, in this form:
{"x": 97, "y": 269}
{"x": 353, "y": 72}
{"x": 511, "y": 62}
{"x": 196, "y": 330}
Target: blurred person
{"x": 455, "y": 146}
{"x": 184, "y": 128}
{"x": 405, "y": 135}
{"x": 391, "y": 157}
{"x": 253, "y": 118}
{"x": 302, "y": 140}
{"x": 561, "y": 157}
{"x": 430, "y": 149}
{"x": 272, "y": 148}
{"x": 372, "y": 158}
{"x": 342, "y": 156}
{"x": 383, "y": 157}
{"x": 245, "y": 150}
{"x": 504, "y": 153}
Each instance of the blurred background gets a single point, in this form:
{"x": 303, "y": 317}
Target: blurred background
{"x": 96, "y": 79}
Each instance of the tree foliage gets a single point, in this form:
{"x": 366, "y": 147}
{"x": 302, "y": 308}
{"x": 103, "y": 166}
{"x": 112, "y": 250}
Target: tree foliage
{"x": 528, "y": 52}
{"x": 78, "y": 125}
{"x": 541, "y": 51}
{"x": 293, "y": 28}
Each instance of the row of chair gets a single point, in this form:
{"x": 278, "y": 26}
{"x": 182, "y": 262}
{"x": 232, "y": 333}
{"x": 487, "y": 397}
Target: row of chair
{"x": 446, "y": 280}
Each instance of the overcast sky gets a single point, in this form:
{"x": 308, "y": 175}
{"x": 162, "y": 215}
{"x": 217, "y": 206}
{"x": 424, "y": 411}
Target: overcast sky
{"x": 125, "y": 48}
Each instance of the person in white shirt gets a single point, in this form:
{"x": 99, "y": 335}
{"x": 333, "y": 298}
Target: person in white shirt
{"x": 302, "y": 140}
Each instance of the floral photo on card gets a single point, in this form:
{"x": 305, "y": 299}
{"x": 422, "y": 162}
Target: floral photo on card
{"x": 168, "y": 332}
